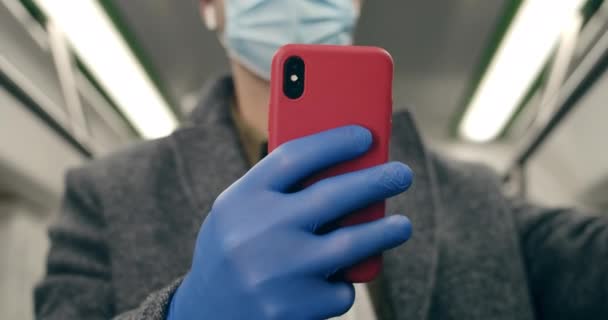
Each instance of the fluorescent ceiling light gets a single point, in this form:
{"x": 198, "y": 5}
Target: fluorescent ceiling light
{"x": 105, "y": 53}
{"x": 520, "y": 58}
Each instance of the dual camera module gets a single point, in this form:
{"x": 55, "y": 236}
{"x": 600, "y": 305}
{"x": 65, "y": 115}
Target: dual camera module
{"x": 293, "y": 77}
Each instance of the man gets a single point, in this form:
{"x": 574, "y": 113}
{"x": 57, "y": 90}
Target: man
{"x": 178, "y": 228}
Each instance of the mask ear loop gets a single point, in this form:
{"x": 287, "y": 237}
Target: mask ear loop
{"x": 210, "y": 17}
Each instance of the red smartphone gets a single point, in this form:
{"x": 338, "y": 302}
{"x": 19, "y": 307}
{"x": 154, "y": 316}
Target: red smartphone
{"x": 320, "y": 87}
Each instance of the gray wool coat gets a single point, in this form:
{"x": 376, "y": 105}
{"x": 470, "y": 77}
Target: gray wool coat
{"x": 126, "y": 232}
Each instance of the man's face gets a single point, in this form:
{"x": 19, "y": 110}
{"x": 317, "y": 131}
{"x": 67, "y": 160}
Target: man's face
{"x": 218, "y": 5}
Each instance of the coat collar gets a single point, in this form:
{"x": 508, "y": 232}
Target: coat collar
{"x": 213, "y": 107}
{"x": 209, "y": 143}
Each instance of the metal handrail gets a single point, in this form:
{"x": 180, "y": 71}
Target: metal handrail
{"x": 69, "y": 122}
{"x": 39, "y": 104}
{"x": 582, "y": 78}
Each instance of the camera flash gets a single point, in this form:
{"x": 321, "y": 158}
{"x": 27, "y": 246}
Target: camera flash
{"x": 294, "y": 78}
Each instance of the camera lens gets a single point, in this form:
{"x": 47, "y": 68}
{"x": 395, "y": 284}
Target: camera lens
{"x": 293, "y": 77}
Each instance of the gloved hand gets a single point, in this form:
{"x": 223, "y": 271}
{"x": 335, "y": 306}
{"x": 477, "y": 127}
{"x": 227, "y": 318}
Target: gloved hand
{"x": 257, "y": 255}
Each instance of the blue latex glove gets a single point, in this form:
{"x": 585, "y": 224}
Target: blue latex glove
{"x": 257, "y": 255}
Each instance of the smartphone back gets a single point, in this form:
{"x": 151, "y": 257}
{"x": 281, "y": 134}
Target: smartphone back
{"x": 339, "y": 85}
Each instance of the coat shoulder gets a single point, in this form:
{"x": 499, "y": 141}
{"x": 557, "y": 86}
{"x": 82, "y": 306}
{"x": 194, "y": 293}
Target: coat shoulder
{"x": 139, "y": 167}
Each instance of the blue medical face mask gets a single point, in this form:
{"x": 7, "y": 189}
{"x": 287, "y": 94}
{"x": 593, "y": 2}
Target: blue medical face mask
{"x": 256, "y": 29}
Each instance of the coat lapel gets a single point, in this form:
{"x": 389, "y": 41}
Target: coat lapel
{"x": 207, "y": 148}
{"x": 409, "y": 270}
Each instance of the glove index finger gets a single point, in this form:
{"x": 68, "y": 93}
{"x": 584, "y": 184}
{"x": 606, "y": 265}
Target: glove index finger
{"x": 300, "y": 158}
